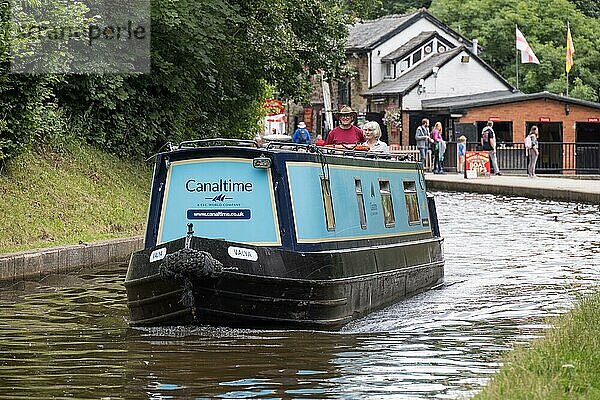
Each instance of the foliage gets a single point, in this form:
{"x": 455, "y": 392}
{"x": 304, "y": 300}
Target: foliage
{"x": 589, "y": 8}
{"x": 393, "y": 116}
{"x": 213, "y": 62}
{"x": 544, "y": 24}
{"x": 398, "y": 7}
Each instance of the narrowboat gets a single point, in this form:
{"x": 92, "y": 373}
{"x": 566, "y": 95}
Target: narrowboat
{"x": 281, "y": 235}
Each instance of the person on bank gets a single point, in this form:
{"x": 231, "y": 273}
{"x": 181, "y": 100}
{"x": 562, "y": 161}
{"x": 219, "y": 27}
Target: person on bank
{"x": 439, "y": 148}
{"x": 533, "y": 151}
{"x": 488, "y": 142}
{"x": 423, "y": 138}
{"x": 373, "y": 135}
{"x": 301, "y": 135}
{"x": 462, "y": 151}
{"x": 345, "y": 132}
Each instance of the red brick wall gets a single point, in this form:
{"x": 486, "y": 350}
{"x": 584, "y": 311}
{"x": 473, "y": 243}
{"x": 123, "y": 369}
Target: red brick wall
{"x": 531, "y": 111}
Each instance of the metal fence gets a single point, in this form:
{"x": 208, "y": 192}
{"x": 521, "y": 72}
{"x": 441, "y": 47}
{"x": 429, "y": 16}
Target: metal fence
{"x": 554, "y": 158}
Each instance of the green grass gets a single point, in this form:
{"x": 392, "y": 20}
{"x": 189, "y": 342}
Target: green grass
{"x": 50, "y": 197}
{"x": 565, "y": 364}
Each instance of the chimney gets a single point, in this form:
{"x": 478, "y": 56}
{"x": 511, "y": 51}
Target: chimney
{"x": 474, "y": 47}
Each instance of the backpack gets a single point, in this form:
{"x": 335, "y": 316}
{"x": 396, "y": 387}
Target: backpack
{"x": 485, "y": 136}
{"x": 528, "y": 143}
{"x": 303, "y": 136}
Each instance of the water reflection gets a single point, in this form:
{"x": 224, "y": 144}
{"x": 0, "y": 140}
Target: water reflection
{"x": 511, "y": 263}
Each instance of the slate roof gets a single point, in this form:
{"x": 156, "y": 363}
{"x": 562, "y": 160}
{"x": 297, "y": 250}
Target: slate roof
{"x": 409, "y": 46}
{"x": 410, "y": 79}
{"x": 366, "y": 35}
{"x": 498, "y": 97}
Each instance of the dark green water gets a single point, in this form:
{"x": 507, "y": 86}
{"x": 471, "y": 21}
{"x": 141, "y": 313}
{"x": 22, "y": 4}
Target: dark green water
{"x": 511, "y": 263}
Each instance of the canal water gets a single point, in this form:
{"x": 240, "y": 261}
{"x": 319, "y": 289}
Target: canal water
{"x": 510, "y": 264}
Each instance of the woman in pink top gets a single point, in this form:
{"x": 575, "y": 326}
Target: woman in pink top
{"x": 436, "y": 135}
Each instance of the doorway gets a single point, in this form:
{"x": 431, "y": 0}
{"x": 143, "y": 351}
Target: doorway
{"x": 550, "y": 160}
{"x": 587, "y": 147}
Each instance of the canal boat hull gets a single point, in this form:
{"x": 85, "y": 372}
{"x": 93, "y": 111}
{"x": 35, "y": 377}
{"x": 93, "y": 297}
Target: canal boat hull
{"x": 319, "y": 290}
{"x": 284, "y": 235}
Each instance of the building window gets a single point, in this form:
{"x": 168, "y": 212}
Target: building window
{"x": 362, "y": 216}
{"x": 412, "y": 202}
{"x": 344, "y": 94}
{"x": 389, "y": 70}
{"x": 416, "y": 56}
{"x": 386, "y": 204}
{"x": 327, "y": 204}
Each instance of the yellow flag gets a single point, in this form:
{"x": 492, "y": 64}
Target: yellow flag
{"x": 570, "y": 51}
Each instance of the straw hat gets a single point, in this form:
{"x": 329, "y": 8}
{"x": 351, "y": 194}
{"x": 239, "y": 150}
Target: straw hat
{"x": 346, "y": 110}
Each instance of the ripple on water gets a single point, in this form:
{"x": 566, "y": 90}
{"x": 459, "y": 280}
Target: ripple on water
{"x": 510, "y": 264}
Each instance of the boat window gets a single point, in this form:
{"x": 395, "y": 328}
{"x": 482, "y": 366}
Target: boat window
{"x": 327, "y": 203}
{"x": 412, "y": 202}
{"x": 361, "y": 203}
{"x": 386, "y": 203}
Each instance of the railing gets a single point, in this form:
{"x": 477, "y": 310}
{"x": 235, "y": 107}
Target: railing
{"x": 554, "y": 158}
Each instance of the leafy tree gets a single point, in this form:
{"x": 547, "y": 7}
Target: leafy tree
{"x": 544, "y": 24}
{"x": 587, "y": 7}
{"x": 212, "y": 63}
{"x": 399, "y": 7}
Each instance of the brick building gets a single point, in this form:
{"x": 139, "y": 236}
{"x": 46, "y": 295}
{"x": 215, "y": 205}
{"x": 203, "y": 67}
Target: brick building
{"x": 569, "y": 128}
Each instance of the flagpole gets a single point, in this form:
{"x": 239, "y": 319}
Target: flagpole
{"x": 517, "y": 59}
{"x": 568, "y": 27}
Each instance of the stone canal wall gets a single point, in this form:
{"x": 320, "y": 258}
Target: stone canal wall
{"x": 36, "y": 264}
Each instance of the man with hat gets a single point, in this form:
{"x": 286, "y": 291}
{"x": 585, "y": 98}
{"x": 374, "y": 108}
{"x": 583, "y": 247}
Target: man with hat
{"x": 301, "y": 135}
{"x": 345, "y": 132}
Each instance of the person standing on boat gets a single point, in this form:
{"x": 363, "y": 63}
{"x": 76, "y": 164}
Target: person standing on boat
{"x": 373, "y": 134}
{"x": 346, "y": 132}
{"x": 488, "y": 142}
{"x": 423, "y": 139}
{"x": 301, "y": 135}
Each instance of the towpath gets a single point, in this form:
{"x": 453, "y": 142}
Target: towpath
{"x": 582, "y": 189}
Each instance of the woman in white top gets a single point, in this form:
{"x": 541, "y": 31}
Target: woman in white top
{"x": 373, "y": 134}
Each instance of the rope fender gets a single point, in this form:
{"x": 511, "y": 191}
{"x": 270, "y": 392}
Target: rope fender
{"x": 186, "y": 264}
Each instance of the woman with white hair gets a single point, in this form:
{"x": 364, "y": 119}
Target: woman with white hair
{"x": 373, "y": 134}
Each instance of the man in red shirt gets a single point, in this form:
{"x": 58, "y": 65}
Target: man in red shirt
{"x": 345, "y": 132}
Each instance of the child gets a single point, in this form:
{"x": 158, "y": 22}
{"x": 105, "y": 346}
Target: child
{"x": 462, "y": 148}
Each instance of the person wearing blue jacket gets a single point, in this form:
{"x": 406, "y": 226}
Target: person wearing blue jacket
{"x": 301, "y": 135}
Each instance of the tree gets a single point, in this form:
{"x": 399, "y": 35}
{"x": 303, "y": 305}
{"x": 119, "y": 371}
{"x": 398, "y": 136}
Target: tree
{"x": 544, "y": 24}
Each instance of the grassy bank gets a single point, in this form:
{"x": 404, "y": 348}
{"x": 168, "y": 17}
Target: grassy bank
{"x": 54, "y": 197}
{"x": 565, "y": 364}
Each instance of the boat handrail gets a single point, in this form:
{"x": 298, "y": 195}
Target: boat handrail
{"x": 341, "y": 151}
{"x": 216, "y": 141}
{"x": 308, "y": 148}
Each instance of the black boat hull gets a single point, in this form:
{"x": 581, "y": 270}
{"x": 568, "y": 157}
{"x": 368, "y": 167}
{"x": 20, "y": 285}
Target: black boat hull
{"x": 319, "y": 290}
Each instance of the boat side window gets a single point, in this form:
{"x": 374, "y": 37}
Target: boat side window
{"x": 362, "y": 215}
{"x": 386, "y": 203}
{"x": 327, "y": 203}
{"x": 412, "y": 202}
